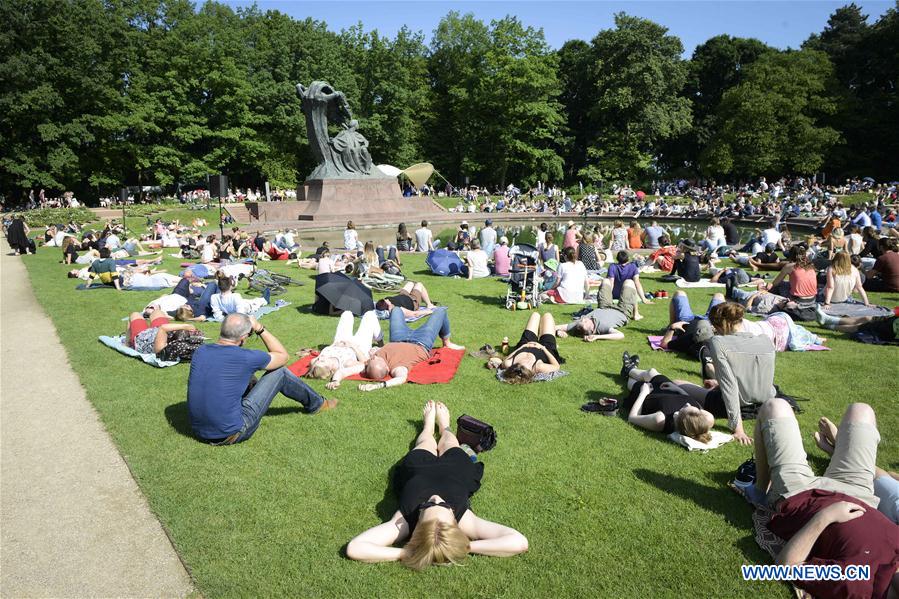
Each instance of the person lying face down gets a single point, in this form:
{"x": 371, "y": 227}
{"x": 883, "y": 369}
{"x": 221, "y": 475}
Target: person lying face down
{"x": 434, "y": 483}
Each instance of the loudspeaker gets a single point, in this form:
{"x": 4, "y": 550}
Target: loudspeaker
{"x": 218, "y": 186}
{"x": 123, "y": 195}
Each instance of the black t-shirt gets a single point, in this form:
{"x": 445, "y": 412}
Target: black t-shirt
{"x": 731, "y": 234}
{"x": 403, "y": 301}
{"x": 669, "y": 401}
{"x": 688, "y": 268}
{"x": 766, "y": 258}
{"x": 686, "y": 342}
{"x": 452, "y": 476}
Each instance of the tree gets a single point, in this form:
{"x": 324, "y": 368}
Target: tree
{"x": 771, "y": 123}
{"x": 577, "y": 96}
{"x": 638, "y": 76}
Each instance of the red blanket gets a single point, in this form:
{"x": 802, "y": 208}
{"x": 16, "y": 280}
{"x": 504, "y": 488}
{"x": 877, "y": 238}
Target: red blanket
{"x": 441, "y": 367}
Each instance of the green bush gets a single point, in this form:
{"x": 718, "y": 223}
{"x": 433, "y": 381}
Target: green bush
{"x": 47, "y": 216}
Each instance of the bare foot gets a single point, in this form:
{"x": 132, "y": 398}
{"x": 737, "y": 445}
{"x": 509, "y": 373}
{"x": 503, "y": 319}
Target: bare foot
{"x": 443, "y": 416}
{"x": 638, "y": 317}
{"x": 823, "y": 444}
{"x": 828, "y": 430}
{"x": 450, "y": 345}
{"x": 429, "y": 415}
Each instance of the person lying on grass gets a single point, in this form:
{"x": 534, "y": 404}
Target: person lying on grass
{"x": 224, "y": 406}
{"x": 830, "y": 519}
{"x": 407, "y": 348}
{"x": 884, "y": 329}
{"x": 347, "y": 353}
{"x": 154, "y": 338}
{"x": 608, "y": 317}
{"x": 434, "y": 484}
{"x": 410, "y": 299}
{"x": 779, "y": 327}
{"x": 658, "y": 404}
{"x": 227, "y": 302}
{"x": 535, "y": 353}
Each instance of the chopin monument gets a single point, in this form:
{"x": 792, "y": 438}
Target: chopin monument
{"x": 345, "y": 185}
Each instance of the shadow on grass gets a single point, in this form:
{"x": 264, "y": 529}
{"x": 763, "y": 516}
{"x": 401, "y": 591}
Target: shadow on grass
{"x": 487, "y": 300}
{"x": 718, "y": 498}
{"x": 178, "y": 419}
{"x": 389, "y": 502}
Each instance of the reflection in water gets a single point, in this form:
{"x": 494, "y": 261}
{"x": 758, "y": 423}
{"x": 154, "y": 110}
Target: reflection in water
{"x": 517, "y": 232}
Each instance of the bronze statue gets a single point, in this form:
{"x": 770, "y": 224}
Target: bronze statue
{"x": 344, "y": 156}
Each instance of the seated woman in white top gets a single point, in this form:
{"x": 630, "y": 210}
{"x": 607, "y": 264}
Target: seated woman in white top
{"x": 573, "y": 285}
{"x": 349, "y": 352}
{"x": 842, "y": 279}
{"x": 477, "y": 261}
{"x": 351, "y": 237}
{"x": 227, "y": 302}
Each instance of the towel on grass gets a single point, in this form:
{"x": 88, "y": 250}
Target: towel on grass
{"x": 541, "y": 377}
{"x": 441, "y": 367}
{"x": 258, "y": 313}
{"x": 718, "y": 439}
{"x": 86, "y": 287}
{"x": 118, "y": 344}
{"x": 855, "y": 309}
{"x": 655, "y": 342}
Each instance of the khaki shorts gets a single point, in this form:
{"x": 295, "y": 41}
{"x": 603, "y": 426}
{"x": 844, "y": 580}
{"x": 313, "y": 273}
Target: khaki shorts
{"x": 851, "y": 469}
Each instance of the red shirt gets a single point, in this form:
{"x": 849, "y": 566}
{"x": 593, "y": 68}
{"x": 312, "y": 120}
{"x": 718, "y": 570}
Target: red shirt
{"x": 872, "y": 539}
{"x": 803, "y": 282}
{"x": 888, "y": 267}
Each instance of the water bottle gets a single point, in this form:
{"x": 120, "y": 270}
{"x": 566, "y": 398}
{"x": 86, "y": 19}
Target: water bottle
{"x": 471, "y": 452}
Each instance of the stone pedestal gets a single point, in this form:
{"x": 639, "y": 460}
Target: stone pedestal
{"x": 364, "y": 201}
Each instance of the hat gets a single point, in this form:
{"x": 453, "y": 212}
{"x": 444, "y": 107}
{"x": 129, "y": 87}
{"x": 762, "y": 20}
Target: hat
{"x": 688, "y": 243}
{"x": 464, "y": 222}
{"x": 504, "y": 239}
{"x": 704, "y": 330}
{"x": 570, "y": 223}
{"x": 488, "y": 222}
{"x": 551, "y": 264}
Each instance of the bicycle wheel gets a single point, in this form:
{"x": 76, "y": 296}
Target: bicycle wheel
{"x": 285, "y": 280}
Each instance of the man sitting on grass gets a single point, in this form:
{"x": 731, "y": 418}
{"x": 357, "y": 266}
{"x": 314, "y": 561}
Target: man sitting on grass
{"x": 407, "y": 348}
{"x": 830, "y": 519}
{"x": 223, "y": 408}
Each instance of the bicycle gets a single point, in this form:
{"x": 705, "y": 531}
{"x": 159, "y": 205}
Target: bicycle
{"x": 261, "y": 280}
{"x": 383, "y": 282}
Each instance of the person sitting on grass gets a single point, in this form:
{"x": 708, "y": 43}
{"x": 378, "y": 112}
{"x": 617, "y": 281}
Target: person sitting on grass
{"x": 765, "y": 260}
{"x": 842, "y": 279}
{"x": 573, "y": 285}
{"x": 625, "y": 270}
{"x": 434, "y": 484}
{"x": 407, "y": 348}
{"x": 802, "y": 285}
{"x": 348, "y": 352}
{"x": 658, "y": 404}
{"x": 830, "y": 519}
{"x": 535, "y": 353}
{"x": 477, "y": 261}
{"x": 227, "y": 302}
{"x": 410, "y": 298}
{"x": 105, "y": 269}
{"x": 603, "y": 322}
{"x": 223, "y": 406}
{"x": 686, "y": 263}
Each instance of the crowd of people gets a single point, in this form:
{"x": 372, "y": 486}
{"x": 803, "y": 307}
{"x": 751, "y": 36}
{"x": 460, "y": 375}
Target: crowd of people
{"x": 850, "y": 515}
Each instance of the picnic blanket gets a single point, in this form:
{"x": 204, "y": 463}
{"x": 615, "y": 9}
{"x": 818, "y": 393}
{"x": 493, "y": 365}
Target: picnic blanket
{"x": 87, "y": 287}
{"x": 441, "y": 367}
{"x": 542, "y": 377}
{"x": 718, "y": 439}
{"x": 118, "y": 344}
{"x": 855, "y": 309}
{"x": 258, "y": 313}
{"x": 655, "y": 342}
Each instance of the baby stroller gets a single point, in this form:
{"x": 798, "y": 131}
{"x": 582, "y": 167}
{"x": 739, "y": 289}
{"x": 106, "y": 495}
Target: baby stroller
{"x": 524, "y": 281}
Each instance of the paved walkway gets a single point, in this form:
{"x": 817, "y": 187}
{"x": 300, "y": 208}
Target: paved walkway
{"x": 72, "y": 521}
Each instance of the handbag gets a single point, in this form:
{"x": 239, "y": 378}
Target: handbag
{"x": 478, "y": 435}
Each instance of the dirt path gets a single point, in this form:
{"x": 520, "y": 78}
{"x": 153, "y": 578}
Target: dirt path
{"x": 73, "y": 522}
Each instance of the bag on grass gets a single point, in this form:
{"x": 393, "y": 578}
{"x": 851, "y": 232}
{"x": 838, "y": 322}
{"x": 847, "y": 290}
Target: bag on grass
{"x": 478, "y": 435}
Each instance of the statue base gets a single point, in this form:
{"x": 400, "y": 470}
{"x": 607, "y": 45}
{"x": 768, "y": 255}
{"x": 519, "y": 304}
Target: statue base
{"x": 363, "y": 201}
{"x": 332, "y": 202}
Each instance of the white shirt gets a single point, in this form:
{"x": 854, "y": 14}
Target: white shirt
{"x": 423, "y": 238}
{"x": 113, "y": 241}
{"x": 169, "y": 303}
{"x": 325, "y": 265}
{"x": 714, "y": 233}
{"x": 770, "y": 236}
{"x": 574, "y": 278}
{"x": 350, "y": 239}
{"x": 477, "y": 262}
{"x": 208, "y": 254}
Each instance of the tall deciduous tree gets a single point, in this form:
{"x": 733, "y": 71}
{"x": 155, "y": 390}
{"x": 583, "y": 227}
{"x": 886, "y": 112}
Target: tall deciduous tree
{"x": 771, "y": 123}
{"x": 638, "y": 74}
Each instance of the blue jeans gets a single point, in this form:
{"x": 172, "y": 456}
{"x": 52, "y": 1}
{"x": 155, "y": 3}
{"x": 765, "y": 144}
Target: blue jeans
{"x": 201, "y": 306}
{"x": 739, "y": 295}
{"x": 425, "y": 335}
{"x": 683, "y": 313}
{"x": 255, "y": 403}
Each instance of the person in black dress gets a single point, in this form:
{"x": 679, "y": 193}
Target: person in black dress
{"x": 17, "y": 236}
{"x": 656, "y": 403}
{"x": 434, "y": 484}
{"x": 535, "y": 352}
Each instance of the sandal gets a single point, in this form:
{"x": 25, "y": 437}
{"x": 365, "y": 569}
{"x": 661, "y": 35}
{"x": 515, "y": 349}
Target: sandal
{"x": 606, "y": 406}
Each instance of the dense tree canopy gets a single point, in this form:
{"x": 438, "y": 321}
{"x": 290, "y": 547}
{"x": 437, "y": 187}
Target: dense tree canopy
{"x": 100, "y": 93}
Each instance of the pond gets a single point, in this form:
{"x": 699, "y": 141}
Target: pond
{"x": 516, "y": 231}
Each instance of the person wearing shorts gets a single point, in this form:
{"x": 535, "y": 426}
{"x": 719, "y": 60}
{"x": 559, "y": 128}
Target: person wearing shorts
{"x": 138, "y": 325}
{"x": 829, "y": 519}
{"x": 608, "y": 317}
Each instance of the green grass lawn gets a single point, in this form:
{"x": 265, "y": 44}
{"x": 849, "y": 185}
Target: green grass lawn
{"x": 608, "y": 510}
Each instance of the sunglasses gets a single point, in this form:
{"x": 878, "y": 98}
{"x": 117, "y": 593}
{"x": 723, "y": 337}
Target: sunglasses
{"x": 427, "y": 504}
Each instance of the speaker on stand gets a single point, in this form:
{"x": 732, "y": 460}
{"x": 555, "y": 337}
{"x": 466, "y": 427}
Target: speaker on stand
{"x": 218, "y": 188}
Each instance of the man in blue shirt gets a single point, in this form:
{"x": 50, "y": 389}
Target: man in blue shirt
{"x": 222, "y": 410}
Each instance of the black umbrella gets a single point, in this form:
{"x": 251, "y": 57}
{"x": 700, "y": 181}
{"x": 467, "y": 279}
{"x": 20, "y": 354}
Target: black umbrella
{"x": 869, "y": 179}
{"x": 344, "y": 293}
